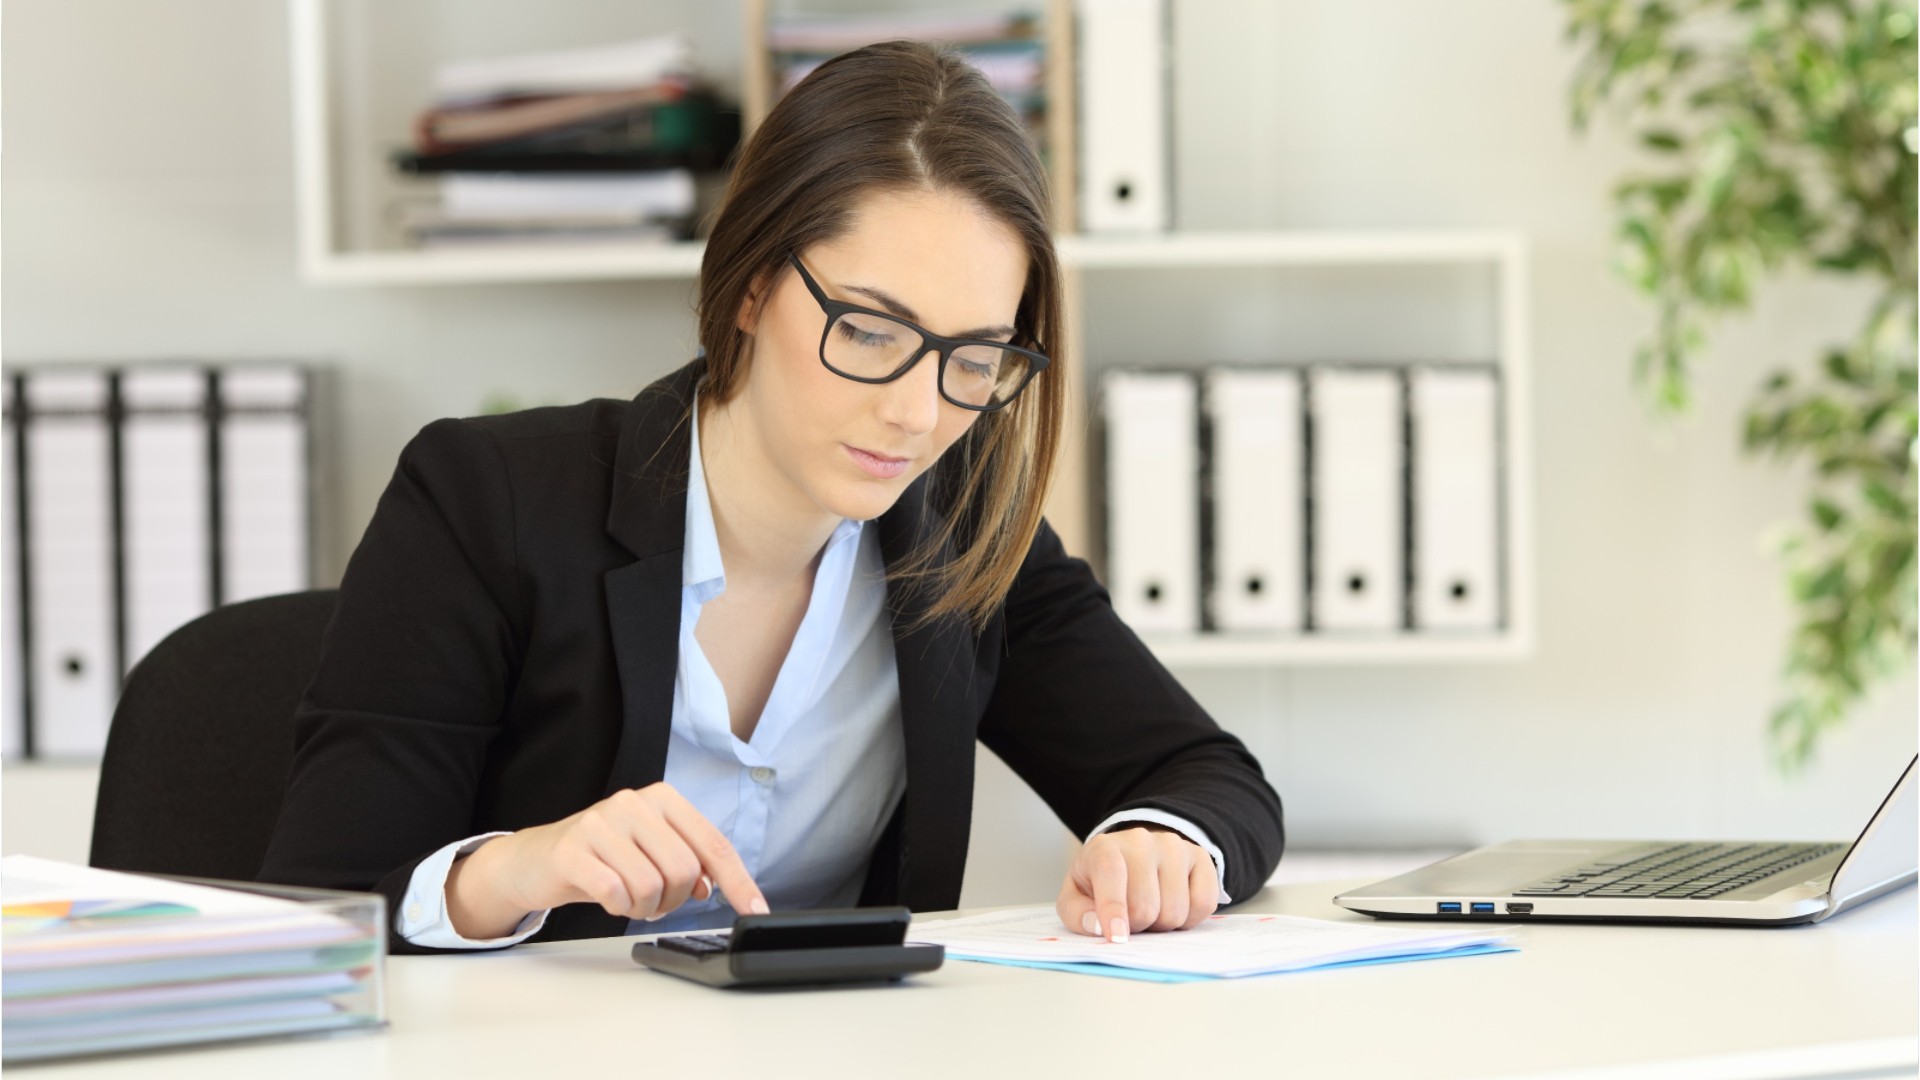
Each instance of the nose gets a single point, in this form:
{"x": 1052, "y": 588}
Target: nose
{"x": 912, "y": 401}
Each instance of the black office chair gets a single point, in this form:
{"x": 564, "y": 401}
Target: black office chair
{"x": 201, "y": 742}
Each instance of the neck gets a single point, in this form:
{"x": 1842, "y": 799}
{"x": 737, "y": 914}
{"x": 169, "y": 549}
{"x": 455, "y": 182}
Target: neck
{"x": 770, "y": 533}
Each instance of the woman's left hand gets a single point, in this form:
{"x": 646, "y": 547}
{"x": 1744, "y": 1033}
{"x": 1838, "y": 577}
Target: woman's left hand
{"x": 1141, "y": 877}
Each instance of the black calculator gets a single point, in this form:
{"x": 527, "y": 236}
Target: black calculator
{"x": 792, "y": 948}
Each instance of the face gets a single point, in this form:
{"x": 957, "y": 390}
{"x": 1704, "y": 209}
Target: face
{"x": 848, "y": 448}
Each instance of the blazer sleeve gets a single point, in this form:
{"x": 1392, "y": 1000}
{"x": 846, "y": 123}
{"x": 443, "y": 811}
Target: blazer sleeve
{"x": 391, "y": 736}
{"x": 1086, "y": 715}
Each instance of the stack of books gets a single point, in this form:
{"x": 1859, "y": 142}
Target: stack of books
{"x": 97, "y": 961}
{"x": 1005, "y": 46}
{"x": 602, "y": 144}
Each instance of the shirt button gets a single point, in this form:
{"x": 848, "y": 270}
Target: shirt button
{"x": 413, "y": 912}
{"x": 761, "y": 774}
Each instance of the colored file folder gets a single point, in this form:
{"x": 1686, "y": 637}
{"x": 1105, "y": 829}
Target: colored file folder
{"x": 98, "y": 961}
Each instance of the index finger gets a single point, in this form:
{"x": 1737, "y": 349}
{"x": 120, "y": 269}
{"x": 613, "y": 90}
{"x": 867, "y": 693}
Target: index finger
{"x": 715, "y": 853}
{"x": 1108, "y": 876}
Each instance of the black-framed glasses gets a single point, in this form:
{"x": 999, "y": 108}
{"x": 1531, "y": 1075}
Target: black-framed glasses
{"x": 873, "y": 347}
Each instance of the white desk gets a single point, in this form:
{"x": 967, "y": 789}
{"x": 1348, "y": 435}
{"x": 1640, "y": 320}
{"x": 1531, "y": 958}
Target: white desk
{"x": 1839, "y": 998}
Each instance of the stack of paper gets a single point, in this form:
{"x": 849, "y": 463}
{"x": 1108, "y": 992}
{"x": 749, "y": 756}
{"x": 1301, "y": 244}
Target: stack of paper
{"x": 600, "y": 144}
{"x": 533, "y": 207}
{"x": 96, "y": 961}
{"x": 1224, "y": 946}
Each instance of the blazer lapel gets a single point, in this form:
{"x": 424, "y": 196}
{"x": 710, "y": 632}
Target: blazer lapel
{"x": 937, "y": 714}
{"x": 647, "y": 514}
{"x": 648, "y": 517}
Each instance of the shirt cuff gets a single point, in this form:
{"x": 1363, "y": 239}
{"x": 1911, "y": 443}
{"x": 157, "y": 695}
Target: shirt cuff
{"x": 1182, "y": 826}
{"x": 423, "y": 916}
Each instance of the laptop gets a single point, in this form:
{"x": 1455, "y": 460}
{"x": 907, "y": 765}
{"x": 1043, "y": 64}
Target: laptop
{"x": 1744, "y": 883}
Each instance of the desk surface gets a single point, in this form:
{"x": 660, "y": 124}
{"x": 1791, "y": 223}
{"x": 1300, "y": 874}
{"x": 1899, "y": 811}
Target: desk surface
{"x": 1837, "y": 998}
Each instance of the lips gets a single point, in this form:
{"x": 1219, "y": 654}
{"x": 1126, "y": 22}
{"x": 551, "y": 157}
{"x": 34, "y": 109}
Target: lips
{"x": 880, "y": 466}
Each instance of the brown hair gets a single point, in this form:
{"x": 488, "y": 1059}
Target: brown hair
{"x": 904, "y": 115}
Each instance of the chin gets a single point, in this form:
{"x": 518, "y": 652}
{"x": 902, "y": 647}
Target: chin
{"x": 862, "y": 500}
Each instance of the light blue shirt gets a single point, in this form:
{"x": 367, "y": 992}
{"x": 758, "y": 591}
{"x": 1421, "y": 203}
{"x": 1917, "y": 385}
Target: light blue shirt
{"x": 804, "y": 801}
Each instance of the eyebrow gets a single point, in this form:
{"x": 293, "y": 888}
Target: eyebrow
{"x": 893, "y": 304}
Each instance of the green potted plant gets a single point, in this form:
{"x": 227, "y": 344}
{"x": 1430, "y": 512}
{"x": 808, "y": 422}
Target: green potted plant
{"x": 1788, "y": 129}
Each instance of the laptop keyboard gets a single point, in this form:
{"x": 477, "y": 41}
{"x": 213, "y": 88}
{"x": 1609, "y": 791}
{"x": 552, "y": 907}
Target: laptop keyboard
{"x": 1679, "y": 871}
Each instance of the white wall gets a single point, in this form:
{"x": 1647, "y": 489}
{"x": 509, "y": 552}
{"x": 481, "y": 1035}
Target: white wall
{"x": 1661, "y": 617}
{"x": 47, "y": 810}
{"x": 148, "y": 212}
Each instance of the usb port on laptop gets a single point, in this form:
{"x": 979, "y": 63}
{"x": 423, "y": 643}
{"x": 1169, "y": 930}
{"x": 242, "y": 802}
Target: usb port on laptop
{"x": 1483, "y": 907}
{"x": 1449, "y": 907}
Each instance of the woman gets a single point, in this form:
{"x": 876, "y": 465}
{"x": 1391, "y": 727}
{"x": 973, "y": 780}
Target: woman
{"x": 729, "y": 645}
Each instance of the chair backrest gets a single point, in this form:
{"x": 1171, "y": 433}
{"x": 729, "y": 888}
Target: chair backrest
{"x": 201, "y": 742}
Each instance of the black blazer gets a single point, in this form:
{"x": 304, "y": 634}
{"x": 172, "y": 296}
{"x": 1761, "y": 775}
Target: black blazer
{"x": 504, "y": 652}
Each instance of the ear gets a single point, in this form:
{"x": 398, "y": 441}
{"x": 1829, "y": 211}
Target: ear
{"x": 751, "y": 305}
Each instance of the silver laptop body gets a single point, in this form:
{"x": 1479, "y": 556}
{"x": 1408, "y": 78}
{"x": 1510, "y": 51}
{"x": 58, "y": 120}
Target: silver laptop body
{"x": 1642, "y": 881}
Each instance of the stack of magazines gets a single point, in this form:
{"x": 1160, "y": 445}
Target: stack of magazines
{"x": 96, "y": 961}
{"x": 603, "y": 143}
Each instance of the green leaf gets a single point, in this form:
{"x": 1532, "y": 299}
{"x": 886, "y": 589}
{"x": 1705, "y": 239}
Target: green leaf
{"x": 1853, "y": 258}
{"x": 1828, "y": 583}
{"x": 1839, "y": 367}
{"x": 1885, "y": 499}
{"x": 1666, "y": 142}
{"x": 1669, "y": 194}
{"x": 1827, "y": 515}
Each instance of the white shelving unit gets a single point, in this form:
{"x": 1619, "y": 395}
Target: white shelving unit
{"x": 325, "y": 261}
{"x": 342, "y": 133}
{"x": 609, "y": 263}
{"x": 1193, "y": 651}
{"x": 1506, "y": 254}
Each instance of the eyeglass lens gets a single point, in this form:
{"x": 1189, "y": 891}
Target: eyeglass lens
{"x": 874, "y": 347}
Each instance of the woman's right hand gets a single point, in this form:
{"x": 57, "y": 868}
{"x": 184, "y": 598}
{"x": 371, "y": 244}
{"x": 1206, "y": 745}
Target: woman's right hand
{"x": 640, "y": 853}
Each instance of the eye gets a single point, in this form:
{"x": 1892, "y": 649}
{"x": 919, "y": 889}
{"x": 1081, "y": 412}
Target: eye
{"x": 858, "y": 335}
{"x": 979, "y": 362}
{"x": 976, "y": 368}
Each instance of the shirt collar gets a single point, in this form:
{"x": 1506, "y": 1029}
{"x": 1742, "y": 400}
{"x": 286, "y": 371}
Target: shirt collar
{"x": 700, "y": 567}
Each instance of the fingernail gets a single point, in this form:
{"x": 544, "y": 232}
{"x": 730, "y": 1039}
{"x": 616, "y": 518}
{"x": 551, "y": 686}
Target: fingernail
{"x": 1119, "y": 931}
{"x": 759, "y": 905}
{"x": 707, "y": 884}
{"x": 1090, "y": 924}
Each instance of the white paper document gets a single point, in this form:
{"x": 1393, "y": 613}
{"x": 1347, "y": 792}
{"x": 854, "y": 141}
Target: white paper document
{"x": 1224, "y": 946}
